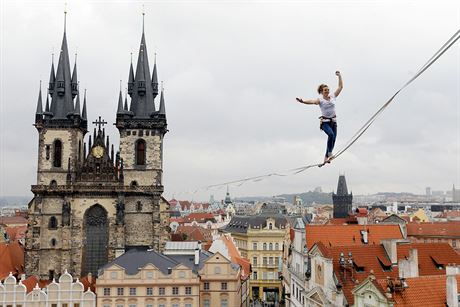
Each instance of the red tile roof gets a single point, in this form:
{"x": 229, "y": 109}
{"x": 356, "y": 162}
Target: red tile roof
{"x": 421, "y": 291}
{"x": 89, "y": 281}
{"x": 195, "y": 233}
{"x": 236, "y": 257}
{"x": 13, "y": 220}
{"x": 375, "y": 258}
{"x": 441, "y": 229}
{"x": 31, "y": 281}
{"x": 336, "y": 235}
{"x": 16, "y": 233}
{"x": 11, "y": 259}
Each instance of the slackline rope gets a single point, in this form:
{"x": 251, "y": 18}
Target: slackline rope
{"x": 355, "y": 137}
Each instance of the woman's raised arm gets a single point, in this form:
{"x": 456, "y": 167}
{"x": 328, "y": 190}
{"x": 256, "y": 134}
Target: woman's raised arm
{"x": 339, "y": 89}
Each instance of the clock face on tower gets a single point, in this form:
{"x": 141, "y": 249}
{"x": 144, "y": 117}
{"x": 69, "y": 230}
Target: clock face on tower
{"x": 97, "y": 151}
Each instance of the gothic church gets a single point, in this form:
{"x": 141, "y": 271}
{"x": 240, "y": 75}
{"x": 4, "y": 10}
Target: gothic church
{"x": 92, "y": 202}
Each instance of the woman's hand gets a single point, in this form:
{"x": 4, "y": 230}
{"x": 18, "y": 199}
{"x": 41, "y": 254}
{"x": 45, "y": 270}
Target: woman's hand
{"x": 337, "y": 73}
{"x": 299, "y": 99}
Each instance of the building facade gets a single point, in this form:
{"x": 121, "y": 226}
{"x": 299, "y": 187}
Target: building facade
{"x": 93, "y": 202}
{"x": 260, "y": 240}
{"x": 175, "y": 279}
{"x": 64, "y": 293}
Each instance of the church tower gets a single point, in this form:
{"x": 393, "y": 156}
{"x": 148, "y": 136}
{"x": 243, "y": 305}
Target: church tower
{"x": 142, "y": 127}
{"x": 92, "y": 203}
{"x": 342, "y": 201}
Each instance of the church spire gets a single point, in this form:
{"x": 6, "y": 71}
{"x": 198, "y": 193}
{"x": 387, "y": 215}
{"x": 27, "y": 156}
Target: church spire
{"x": 52, "y": 77}
{"x": 142, "y": 102}
{"x": 47, "y": 106}
{"x": 120, "y": 109}
{"x": 83, "y": 113}
{"x": 162, "y": 110}
{"x": 131, "y": 77}
{"x": 62, "y": 100}
{"x": 74, "y": 79}
{"x": 155, "y": 78}
{"x": 126, "y": 102}
{"x": 39, "y": 111}
{"x": 77, "y": 101}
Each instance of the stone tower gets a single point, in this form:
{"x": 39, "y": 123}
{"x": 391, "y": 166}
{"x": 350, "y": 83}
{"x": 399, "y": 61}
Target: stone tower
{"x": 91, "y": 204}
{"x": 341, "y": 200}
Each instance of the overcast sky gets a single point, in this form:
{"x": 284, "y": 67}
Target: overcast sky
{"x": 232, "y": 70}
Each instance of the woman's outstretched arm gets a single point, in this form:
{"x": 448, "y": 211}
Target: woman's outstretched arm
{"x": 339, "y": 89}
{"x": 308, "y": 101}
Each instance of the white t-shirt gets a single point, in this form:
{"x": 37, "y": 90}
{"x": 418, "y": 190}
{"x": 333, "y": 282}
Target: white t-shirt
{"x": 327, "y": 107}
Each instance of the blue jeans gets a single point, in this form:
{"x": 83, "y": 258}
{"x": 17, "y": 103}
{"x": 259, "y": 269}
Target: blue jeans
{"x": 330, "y": 128}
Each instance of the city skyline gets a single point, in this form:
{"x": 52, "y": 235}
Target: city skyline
{"x": 244, "y": 88}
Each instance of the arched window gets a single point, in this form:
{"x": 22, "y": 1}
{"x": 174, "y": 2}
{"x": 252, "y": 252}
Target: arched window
{"x": 277, "y": 246}
{"x": 53, "y": 242}
{"x": 270, "y": 226}
{"x": 138, "y": 206}
{"x": 270, "y": 246}
{"x": 140, "y": 152}
{"x": 265, "y": 246}
{"x": 133, "y": 184}
{"x": 52, "y": 224}
{"x": 53, "y": 184}
{"x": 57, "y": 157}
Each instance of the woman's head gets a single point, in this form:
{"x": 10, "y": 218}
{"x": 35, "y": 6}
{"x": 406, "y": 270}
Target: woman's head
{"x": 323, "y": 89}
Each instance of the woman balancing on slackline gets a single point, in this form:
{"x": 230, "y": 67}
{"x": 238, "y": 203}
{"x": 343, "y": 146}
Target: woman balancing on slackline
{"x": 328, "y": 124}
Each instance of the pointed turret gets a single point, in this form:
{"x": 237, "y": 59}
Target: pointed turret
{"x": 142, "y": 102}
{"x": 155, "y": 78}
{"x": 52, "y": 78}
{"x": 131, "y": 78}
{"x": 120, "y": 109}
{"x": 62, "y": 99}
{"x": 77, "y": 104}
{"x": 74, "y": 79}
{"x": 83, "y": 113}
{"x": 47, "y": 106}
{"x": 126, "y": 102}
{"x": 39, "y": 111}
{"x": 162, "y": 110}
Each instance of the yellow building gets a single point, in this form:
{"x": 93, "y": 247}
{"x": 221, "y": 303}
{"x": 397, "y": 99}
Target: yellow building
{"x": 260, "y": 240}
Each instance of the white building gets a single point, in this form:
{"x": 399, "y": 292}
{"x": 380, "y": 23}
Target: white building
{"x": 64, "y": 293}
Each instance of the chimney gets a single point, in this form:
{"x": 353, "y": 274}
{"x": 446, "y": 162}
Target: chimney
{"x": 413, "y": 262}
{"x": 197, "y": 256}
{"x": 408, "y": 268}
{"x": 390, "y": 248}
{"x": 364, "y": 236}
{"x": 169, "y": 271}
{"x": 451, "y": 286}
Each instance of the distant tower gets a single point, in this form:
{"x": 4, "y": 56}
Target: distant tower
{"x": 428, "y": 191}
{"x": 227, "y": 200}
{"x": 342, "y": 200}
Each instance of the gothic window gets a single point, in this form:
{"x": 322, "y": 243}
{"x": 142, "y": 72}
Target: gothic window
{"x": 57, "y": 158}
{"x": 140, "y": 152}
{"x": 133, "y": 184}
{"x": 52, "y": 224}
{"x": 96, "y": 237}
{"x": 53, "y": 184}
{"x": 47, "y": 151}
{"x": 53, "y": 242}
{"x": 138, "y": 206}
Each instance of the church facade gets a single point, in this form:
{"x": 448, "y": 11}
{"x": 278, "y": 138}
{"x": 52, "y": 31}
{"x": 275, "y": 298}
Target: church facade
{"x": 93, "y": 201}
